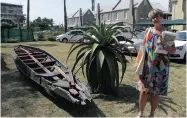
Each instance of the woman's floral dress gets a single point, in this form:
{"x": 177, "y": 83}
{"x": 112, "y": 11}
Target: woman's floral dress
{"x": 154, "y": 79}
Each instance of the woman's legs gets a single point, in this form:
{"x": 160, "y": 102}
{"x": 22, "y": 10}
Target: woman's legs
{"x": 142, "y": 102}
{"x": 154, "y": 102}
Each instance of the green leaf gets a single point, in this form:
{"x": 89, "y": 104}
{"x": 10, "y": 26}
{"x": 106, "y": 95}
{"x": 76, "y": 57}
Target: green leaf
{"x": 114, "y": 37}
{"x": 73, "y": 49}
{"x": 123, "y": 63}
{"x": 77, "y": 60}
{"x": 82, "y": 49}
{"x": 83, "y": 60}
{"x": 94, "y": 47}
{"x": 97, "y": 34}
{"x": 101, "y": 58}
{"x": 89, "y": 37}
{"x": 110, "y": 59}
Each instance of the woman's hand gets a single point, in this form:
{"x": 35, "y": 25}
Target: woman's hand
{"x": 169, "y": 49}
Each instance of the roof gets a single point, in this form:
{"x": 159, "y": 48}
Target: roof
{"x": 124, "y": 4}
{"x": 106, "y": 8}
{"x": 76, "y": 14}
{"x": 72, "y": 14}
{"x": 10, "y": 4}
{"x": 158, "y": 5}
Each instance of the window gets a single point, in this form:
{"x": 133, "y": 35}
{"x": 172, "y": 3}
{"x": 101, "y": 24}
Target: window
{"x": 116, "y": 16}
{"x": 108, "y": 17}
{"x": 181, "y": 36}
{"x": 125, "y": 14}
{"x": 88, "y": 12}
{"x": 80, "y": 32}
{"x": 73, "y": 33}
{"x": 102, "y": 17}
{"x": 145, "y": 2}
{"x": 141, "y": 15}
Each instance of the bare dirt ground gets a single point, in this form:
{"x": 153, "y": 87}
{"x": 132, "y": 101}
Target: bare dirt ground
{"x": 20, "y": 97}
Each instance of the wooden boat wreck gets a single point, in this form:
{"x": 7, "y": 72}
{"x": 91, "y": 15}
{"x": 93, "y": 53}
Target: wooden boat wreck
{"x": 52, "y": 75}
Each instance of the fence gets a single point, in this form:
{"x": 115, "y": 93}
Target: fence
{"x": 16, "y": 35}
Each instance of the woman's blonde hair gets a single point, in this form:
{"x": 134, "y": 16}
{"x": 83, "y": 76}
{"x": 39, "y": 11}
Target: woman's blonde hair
{"x": 155, "y": 13}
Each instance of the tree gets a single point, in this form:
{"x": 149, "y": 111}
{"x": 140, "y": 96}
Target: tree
{"x": 43, "y": 24}
{"x": 6, "y": 24}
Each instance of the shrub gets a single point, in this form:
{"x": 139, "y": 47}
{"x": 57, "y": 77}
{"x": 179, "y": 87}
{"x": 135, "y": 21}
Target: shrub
{"x": 51, "y": 38}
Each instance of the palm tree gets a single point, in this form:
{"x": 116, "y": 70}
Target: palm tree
{"x": 65, "y": 17}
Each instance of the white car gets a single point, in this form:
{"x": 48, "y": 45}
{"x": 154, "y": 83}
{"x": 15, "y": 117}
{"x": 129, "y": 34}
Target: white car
{"x": 71, "y": 36}
{"x": 180, "y": 44}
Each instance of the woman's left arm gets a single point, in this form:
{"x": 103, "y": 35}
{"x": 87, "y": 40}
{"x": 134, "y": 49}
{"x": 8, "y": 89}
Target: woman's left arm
{"x": 169, "y": 49}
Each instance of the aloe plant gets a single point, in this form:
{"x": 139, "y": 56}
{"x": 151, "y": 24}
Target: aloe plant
{"x": 101, "y": 58}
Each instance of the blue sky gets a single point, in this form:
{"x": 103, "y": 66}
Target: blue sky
{"x": 54, "y": 8}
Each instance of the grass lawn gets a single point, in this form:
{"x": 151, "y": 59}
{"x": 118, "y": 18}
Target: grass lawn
{"x": 21, "y": 98}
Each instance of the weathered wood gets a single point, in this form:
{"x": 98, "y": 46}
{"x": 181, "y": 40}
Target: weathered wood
{"x": 49, "y": 73}
{"x": 31, "y": 60}
{"x": 45, "y": 69}
{"x": 38, "y": 68}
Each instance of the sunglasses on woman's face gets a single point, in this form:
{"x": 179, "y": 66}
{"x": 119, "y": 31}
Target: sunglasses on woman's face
{"x": 155, "y": 16}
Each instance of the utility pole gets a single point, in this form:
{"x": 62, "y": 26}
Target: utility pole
{"x": 65, "y": 17}
{"x": 98, "y": 15}
{"x": 80, "y": 16}
{"x": 93, "y": 5}
{"x": 132, "y": 14}
{"x": 28, "y": 11}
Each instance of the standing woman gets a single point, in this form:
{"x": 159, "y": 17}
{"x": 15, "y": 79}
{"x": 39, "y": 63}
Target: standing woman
{"x": 154, "y": 79}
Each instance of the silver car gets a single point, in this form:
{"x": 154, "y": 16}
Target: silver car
{"x": 134, "y": 48}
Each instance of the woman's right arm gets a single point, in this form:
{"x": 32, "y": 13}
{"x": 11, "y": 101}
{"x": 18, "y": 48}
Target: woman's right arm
{"x": 145, "y": 37}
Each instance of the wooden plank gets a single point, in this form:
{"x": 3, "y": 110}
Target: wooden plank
{"x": 68, "y": 77}
{"x": 45, "y": 69}
{"x": 39, "y": 59}
{"x": 48, "y": 67}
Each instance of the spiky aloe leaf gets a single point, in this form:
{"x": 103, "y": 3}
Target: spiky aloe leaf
{"x": 111, "y": 26}
{"x": 82, "y": 49}
{"x": 94, "y": 47}
{"x": 73, "y": 49}
{"x": 97, "y": 34}
{"x": 123, "y": 63}
{"x": 77, "y": 60}
{"x": 110, "y": 59}
{"x": 101, "y": 58}
{"x": 84, "y": 59}
{"x": 89, "y": 37}
{"x": 114, "y": 38}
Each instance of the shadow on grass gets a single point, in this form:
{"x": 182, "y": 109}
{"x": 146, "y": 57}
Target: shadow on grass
{"x": 129, "y": 94}
{"x": 3, "y": 63}
{"x": 16, "y": 86}
{"x": 182, "y": 62}
{"x": 38, "y": 45}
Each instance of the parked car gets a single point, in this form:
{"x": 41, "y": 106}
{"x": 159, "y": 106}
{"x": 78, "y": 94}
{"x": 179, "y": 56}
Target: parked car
{"x": 71, "y": 36}
{"x": 180, "y": 44}
{"x": 135, "y": 46}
